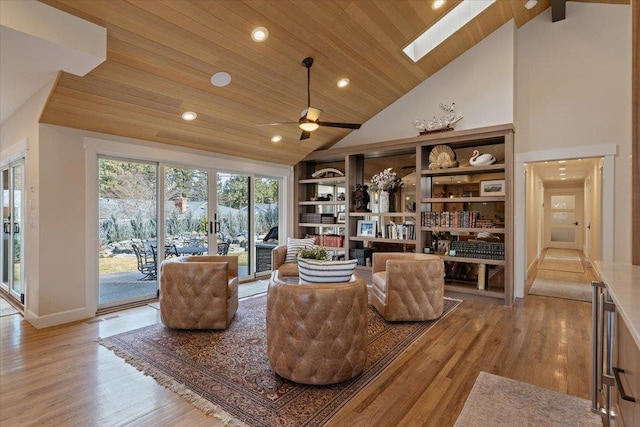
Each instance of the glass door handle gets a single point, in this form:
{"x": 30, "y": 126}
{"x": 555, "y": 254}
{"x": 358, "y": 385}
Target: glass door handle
{"x": 16, "y": 227}
{"x": 6, "y": 227}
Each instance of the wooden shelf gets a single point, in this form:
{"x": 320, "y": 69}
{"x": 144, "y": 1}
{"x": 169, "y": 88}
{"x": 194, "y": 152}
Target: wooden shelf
{"x": 463, "y": 199}
{"x": 384, "y": 214}
{"x": 467, "y": 230}
{"x": 473, "y": 260}
{"x": 313, "y": 225}
{"x": 336, "y": 180}
{"x": 468, "y": 170}
{"x": 381, "y": 240}
{"x": 322, "y": 203}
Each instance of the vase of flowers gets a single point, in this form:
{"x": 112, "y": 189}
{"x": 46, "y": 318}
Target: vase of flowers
{"x": 386, "y": 183}
{"x": 316, "y": 252}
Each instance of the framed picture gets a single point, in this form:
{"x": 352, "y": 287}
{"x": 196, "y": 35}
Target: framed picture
{"x": 492, "y": 188}
{"x": 366, "y": 228}
{"x": 342, "y": 217}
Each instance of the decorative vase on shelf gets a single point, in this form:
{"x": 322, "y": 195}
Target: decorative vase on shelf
{"x": 383, "y": 201}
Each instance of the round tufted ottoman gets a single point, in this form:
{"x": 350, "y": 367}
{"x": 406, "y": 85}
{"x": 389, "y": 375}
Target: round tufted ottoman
{"x": 317, "y": 334}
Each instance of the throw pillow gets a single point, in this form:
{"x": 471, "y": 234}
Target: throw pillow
{"x": 294, "y": 245}
{"x": 316, "y": 271}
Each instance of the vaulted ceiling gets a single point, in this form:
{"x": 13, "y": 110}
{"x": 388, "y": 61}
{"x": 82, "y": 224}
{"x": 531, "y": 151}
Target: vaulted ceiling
{"x": 161, "y": 55}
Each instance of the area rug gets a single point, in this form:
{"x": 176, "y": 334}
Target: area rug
{"x": 560, "y": 284}
{"x": 499, "y": 401}
{"x": 562, "y": 260}
{"x": 227, "y": 373}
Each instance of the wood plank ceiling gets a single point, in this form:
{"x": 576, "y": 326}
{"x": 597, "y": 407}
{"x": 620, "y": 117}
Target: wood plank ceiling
{"x": 161, "y": 55}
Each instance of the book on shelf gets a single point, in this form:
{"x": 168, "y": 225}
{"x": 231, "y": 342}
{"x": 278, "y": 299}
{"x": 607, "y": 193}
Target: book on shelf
{"x": 451, "y": 219}
{"x": 398, "y": 231}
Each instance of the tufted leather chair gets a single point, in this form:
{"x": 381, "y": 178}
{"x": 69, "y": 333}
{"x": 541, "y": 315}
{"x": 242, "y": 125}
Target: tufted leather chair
{"x": 317, "y": 334}
{"x": 278, "y": 256}
{"x": 407, "y": 286}
{"x": 198, "y": 292}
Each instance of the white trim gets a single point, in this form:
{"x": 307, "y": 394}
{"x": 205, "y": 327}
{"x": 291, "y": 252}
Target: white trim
{"x": 60, "y": 318}
{"x": 608, "y": 151}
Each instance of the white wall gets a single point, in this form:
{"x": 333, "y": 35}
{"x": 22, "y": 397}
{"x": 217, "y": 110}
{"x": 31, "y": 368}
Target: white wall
{"x": 19, "y": 136}
{"x": 480, "y": 82}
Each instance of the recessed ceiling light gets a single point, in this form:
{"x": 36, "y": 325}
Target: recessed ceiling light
{"x": 563, "y": 179}
{"x": 437, "y": 4}
{"x": 276, "y": 138}
{"x": 343, "y": 82}
{"x": 221, "y": 79}
{"x": 563, "y": 168}
{"x": 530, "y": 4}
{"x": 259, "y": 34}
{"x": 562, "y": 161}
{"x": 189, "y": 115}
{"x": 562, "y": 174}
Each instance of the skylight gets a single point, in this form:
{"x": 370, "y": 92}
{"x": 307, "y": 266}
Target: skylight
{"x": 445, "y": 27}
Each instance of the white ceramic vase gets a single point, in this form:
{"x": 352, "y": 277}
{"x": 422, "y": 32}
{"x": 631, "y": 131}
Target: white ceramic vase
{"x": 383, "y": 201}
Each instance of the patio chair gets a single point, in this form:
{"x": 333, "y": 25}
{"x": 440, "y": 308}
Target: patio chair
{"x": 146, "y": 260}
{"x": 223, "y": 248}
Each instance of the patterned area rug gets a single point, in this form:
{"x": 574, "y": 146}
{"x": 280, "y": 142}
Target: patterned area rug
{"x": 499, "y": 401}
{"x": 227, "y": 373}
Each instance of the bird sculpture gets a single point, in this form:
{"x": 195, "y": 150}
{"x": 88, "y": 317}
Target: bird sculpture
{"x": 481, "y": 159}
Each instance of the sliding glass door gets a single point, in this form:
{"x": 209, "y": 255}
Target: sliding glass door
{"x": 232, "y": 222}
{"x": 127, "y": 227}
{"x": 186, "y": 212}
{"x": 12, "y": 249}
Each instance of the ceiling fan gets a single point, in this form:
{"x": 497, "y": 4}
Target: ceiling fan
{"x": 308, "y": 121}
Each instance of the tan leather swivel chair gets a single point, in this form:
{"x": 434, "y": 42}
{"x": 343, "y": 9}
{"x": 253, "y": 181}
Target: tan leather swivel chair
{"x": 278, "y": 257}
{"x": 198, "y": 292}
{"x": 317, "y": 334}
{"x": 407, "y": 286}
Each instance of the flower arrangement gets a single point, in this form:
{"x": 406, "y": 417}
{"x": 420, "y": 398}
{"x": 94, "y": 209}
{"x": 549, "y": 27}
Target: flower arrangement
{"x": 316, "y": 252}
{"x": 386, "y": 181}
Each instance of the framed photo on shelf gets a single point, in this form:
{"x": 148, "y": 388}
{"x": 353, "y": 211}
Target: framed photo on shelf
{"x": 342, "y": 218}
{"x": 492, "y": 188}
{"x": 366, "y": 228}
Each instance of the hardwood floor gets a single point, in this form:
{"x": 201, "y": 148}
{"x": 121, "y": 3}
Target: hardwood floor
{"x": 61, "y": 376}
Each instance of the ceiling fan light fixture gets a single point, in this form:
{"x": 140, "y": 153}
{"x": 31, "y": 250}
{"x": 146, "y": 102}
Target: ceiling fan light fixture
{"x": 259, "y": 34}
{"x": 308, "y": 126}
{"x": 343, "y": 82}
{"x": 189, "y": 116}
{"x": 530, "y": 4}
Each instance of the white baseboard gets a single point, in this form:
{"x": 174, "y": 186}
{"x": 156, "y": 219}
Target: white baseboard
{"x": 40, "y": 322}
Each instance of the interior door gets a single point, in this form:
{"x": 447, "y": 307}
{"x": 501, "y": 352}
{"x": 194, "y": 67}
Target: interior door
{"x": 564, "y": 212}
{"x": 12, "y": 250}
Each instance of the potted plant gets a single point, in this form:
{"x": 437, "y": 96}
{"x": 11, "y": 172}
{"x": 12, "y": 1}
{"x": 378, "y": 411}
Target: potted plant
{"x": 315, "y": 252}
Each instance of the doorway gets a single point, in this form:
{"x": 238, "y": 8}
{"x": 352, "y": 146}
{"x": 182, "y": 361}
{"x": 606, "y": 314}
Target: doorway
{"x": 12, "y": 249}
{"x": 563, "y": 218}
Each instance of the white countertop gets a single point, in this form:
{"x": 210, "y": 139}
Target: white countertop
{"x": 623, "y": 283}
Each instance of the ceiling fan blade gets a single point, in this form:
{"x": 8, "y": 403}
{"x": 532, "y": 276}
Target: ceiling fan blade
{"x": 276, "y": 124}
{"x": 340, "y": 125}
{"x": 305, "y": 135}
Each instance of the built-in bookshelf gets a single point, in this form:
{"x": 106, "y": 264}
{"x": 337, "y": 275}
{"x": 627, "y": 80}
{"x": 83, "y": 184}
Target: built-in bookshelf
{"x": 462, "y": 213}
